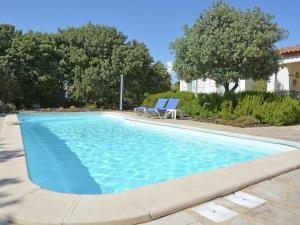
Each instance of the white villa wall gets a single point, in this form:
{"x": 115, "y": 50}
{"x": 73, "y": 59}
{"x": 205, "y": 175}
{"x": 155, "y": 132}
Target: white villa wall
{"x": 284, "y": 79}
{"x": 209, "y": 86}
{"x": 271, "y": 84}
{"x": 183, "y": 85}
{"x": 245, "y": 85}
{"x": 279, "y": 81}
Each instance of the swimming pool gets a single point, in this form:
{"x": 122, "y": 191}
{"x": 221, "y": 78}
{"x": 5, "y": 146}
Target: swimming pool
{"x": 96, "y": 153}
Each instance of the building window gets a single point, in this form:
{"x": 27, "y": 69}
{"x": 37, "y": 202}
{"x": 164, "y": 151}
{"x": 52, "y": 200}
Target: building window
{"x": 297, "y": 75}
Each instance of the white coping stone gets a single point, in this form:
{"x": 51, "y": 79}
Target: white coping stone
{"x": 244, "y": 199}
{"x": 214, "y": 212}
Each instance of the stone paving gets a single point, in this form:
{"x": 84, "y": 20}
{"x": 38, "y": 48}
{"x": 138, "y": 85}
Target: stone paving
{"x": 282, "y": 206}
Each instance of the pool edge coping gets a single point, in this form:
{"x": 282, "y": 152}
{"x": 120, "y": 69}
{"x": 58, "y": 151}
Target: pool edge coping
{"x": 137, "y": 205}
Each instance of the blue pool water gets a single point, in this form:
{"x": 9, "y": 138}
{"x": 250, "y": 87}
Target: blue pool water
{"x": 94, "y": 153}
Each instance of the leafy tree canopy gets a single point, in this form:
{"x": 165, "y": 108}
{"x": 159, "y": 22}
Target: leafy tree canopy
{"x": 34, "y": 61}
{"x": 8, "y": 81}
{"x": 84, "y": 62}
{"x": 96, "y": 56}
{"x": 226, "y": 45}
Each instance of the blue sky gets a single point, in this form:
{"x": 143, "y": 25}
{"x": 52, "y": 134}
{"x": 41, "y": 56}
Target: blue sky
{"x": 154, "y": 22}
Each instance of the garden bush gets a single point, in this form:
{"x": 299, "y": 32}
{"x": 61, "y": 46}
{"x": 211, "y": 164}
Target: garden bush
{"x": 246, "y": 121}
{"x": 226, "y": 111}
{"x": 211, "y": 101}
{"x": 242, "y": 109}
{"x": 196, "y": 110}
{"x": 91, "y": 106}
{"x": 249, "y": 106}
{"x": 283, "y": 111}
{"x": 260, "y": 86}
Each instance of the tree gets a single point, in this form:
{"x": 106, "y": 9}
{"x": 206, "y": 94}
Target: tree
{"x": 159, "y": 79}
{"x": 176, "y": 86}
{"x": 34, "y": 61}
{"x": 95, "y": 56}
{"x": 37, "y": 68}
{"x": 227, "y": 45}
{"x": 8, "y": 87}
{"x": 87, "y": 59}
{"x": 137, "y": 63}
{"x": 142, "y": 75}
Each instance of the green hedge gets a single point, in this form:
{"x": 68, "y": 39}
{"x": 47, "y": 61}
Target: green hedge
{"x": 255, "y": 107}
{"x": 284, "y": 111}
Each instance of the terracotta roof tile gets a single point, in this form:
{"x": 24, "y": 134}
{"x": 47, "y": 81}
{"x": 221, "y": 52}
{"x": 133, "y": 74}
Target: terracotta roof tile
{"x": 290, "y": 50}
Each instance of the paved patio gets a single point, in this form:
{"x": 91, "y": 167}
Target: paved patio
{"x": 281, "y": 208}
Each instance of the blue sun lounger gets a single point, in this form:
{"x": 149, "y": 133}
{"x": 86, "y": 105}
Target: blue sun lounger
{"x": 160, "y": 104}
{"x": 170, "y": 108}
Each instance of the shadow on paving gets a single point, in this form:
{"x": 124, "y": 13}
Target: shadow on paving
{"x": 8, "y": 155}
{"x": 3, "y": 195}
{"x": 7, "y": 220}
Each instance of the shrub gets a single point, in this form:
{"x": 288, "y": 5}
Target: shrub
{"x": 259, "y": 86}
{"x": 22, "y": 106}
{"x": 249, "y": 106}
{"x": 11, "y": 107}
{"x": 246, "y": 121}
{"x": 284, "y": 111}
{"x": 242, "y": 109}
{"x": 2, "y": 107}
{"x": 211, "y": 101}
{"x": 195, "y": 110}
{"x": 91, "y": 106}
{"x": 226, "y": 110}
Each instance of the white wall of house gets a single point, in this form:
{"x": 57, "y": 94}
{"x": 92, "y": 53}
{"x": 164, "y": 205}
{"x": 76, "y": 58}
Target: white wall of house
{"x": 279, "y": 81}
{"x": 288, "y": 76}
{"x": 287, "y": 79}
{"x": 209, "y": 86}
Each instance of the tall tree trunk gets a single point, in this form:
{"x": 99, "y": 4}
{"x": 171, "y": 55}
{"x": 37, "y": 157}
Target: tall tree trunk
{"x": 236, "y": 84}
{"x": 226, "y": 86}
{"x": 228, "y": 89}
